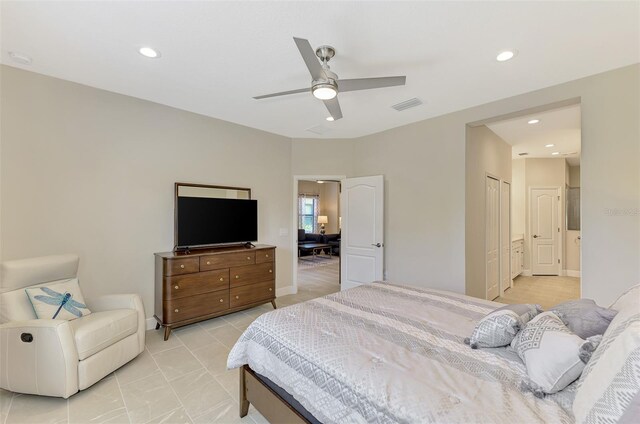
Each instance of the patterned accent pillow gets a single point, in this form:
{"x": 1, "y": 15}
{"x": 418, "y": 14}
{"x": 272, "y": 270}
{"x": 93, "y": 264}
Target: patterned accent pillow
{"x": 58, "y": 301}
{"x": 609, "y": 388}
{"x": 499, "y": 327}
{"x": 551, "y": 353}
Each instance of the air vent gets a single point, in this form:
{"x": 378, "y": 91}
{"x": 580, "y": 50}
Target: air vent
{"x": 407, "y": 104}
{"x": 523, "y": 154}
{"x": 319, "y": 129}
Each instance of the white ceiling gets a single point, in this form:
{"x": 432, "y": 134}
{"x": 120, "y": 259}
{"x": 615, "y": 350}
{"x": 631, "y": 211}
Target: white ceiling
{"x": 560, "y": 127}
{"x": 217, "y": 55}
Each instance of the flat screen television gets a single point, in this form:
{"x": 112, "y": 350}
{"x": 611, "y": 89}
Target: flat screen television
{"x": 203, "y": 221}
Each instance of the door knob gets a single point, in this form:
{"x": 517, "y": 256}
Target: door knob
{"x": 376, "y": 244}
{"x": 535, "y": 236}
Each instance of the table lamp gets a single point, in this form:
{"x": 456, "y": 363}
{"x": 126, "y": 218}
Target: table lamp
{"x": 322, "y": 219}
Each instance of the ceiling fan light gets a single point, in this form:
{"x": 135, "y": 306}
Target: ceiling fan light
{"x": 324, "y": 91}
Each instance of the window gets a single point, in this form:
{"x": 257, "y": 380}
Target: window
{"x": 308, "y": 206}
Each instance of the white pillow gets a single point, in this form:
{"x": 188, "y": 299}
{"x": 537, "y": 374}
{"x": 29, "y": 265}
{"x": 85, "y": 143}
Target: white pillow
{"x": 609, "y": 388}
{"x": 551, "y": 353}
{"x": 62, "y": 300}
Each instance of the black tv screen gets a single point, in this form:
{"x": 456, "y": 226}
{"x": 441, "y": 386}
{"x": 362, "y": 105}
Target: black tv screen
{"x": 203, "y": 221}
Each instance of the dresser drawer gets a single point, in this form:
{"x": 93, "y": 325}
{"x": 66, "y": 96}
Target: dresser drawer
{"x": 226, "y": 260}
{"x": 195, "y": 306}
{"x": 265, "y": 255}
{"x": 181, "y": 266}
{"x": 252, "y": 293}
{"x": 250, "y": 274}
{"x": 190, "y": 284}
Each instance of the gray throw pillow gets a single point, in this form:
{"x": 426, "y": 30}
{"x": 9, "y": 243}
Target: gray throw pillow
{"x": 499, "y": 327}
{"x": 584, "y": 317}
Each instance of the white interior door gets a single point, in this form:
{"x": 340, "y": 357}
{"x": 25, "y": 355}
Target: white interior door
{"x": 362, "y": 247}
{"x": 505, "y": 236}
{"x": 545, "y": 232}
{"x": 492, "y": 237}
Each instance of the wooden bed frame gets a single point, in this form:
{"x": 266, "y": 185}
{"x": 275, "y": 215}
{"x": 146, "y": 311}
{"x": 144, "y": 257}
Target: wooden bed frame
{"x": 274, "y": 408}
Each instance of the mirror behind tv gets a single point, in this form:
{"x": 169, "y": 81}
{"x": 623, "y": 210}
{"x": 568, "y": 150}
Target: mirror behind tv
{"x": 209, "y": 216}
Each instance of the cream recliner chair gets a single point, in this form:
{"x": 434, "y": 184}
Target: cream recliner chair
{"x": 57, "y": 357}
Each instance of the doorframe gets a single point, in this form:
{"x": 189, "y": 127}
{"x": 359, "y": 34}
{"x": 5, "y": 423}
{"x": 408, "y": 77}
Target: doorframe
{"x": 560, "y": 242}
{"x": 294, "y": 224}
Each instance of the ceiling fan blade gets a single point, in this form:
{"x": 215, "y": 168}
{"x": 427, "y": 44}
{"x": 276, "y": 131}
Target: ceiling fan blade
{"x": 334, "y": 108}
{"x": 283, "y": 93}
{"x": 310, "y": 59}
{"x": 369, "y": 83}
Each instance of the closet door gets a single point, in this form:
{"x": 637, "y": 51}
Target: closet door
{"x": 505, "y": 236}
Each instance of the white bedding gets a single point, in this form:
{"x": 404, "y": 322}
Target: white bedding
{"x": 384, "y": 353}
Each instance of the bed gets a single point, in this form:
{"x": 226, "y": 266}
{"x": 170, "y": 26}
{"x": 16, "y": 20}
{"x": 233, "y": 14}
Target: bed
{"x": 385, "y": 353}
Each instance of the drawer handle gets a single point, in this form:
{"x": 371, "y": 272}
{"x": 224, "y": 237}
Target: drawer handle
{"x": 270, "y": 271}
{"x": 249, "y": 258}
{"x": 266, "y": 256}
{"x": 182, "y": 266}
{"x": 237, "y": 276}
{"x": 221, "y": 279}
{"x": 208, "y": 263}
{"x": 176, "y": 310}
{"x": 221, "y": 300}
{"x": 237, "y": 297}
{"x": 176, "y": 287}
{"x": 270, "y": 289}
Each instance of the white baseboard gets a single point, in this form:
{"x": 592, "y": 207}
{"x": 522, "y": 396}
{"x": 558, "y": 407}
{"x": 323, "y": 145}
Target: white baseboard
{"x": 151, "y": 323}
{"x": 572, "y": 273}
{"x": 283, "y": 291}
{"x": 526, "y": 272}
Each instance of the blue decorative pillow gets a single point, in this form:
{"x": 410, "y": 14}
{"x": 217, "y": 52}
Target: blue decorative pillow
{"x": 59, "y": 300}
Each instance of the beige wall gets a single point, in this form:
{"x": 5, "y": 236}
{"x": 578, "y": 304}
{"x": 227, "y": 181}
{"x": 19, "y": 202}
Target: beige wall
{"x": 330, "y": 205}
{"x": 424, "y": 168}
{"x": 329, "y": 196}
{"x": 92, "y": 172}
{"x": 572, "y": 251}
{"x": 574, "y": 176}
{"x": 89, "y": 171}
{"x": 518, "y": 196}
{"x": 486, "y": 154}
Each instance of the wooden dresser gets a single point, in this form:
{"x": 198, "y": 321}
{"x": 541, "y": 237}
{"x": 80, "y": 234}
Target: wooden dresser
{"x": 201, "y": 284}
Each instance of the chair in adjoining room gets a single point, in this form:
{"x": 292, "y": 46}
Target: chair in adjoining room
{"x": 58, "y": 357}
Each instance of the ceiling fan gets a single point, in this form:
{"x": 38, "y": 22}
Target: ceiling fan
{"x": 325, "y": 84}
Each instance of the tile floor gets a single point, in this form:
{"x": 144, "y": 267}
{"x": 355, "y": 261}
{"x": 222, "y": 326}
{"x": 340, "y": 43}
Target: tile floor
{"x": 182, "y": 380}
{"x": 547, "y": 291}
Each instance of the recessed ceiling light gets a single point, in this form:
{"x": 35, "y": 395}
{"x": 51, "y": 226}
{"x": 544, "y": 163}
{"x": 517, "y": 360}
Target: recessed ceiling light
{"x": 549, "y": 145}
{"x": 505, "y": 55}
{"x": 330, "y": 118}
{"x": 149, "y": 52}
{"x": 20, "y": 58}
{"x": 555, "y": 153}
{"x": 533, "y": 121}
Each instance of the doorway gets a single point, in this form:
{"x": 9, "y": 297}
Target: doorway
{"x": 316, "y": 235}
{"x": 545, "y": 184}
